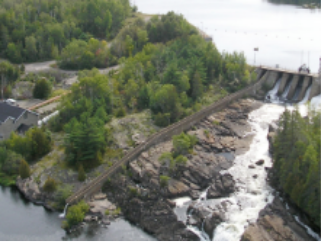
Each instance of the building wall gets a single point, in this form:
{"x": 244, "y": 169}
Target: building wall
{"x": 10, "y": 125}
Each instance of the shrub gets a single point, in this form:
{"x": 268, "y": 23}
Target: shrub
{"x": 42, "y": 89}
{"x": 81, "y": 173}
{"x": 133, "y": 191}
{"x": 164, "y": 180}
{"x": 182, "y": 143}
{"x": 162, "y": 120}
{"x": 24, "y": 169}
{"x": 121, "y": 112}
{"x": 181, "y": 160}
{"x": 63, "y": 192}
{"x": 76, "y": 213}
{"x": 117, "y": 211}
{"x": 50, "y": 185}
{"x": 206, "y": 133}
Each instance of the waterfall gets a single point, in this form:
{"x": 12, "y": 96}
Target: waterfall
{"x": 297, "y": 93}
{"x": 272, "y": 95}
{"x": 63, "y": 215}
{"x": 286, "y": 91}
{"x": 307, "y": 94}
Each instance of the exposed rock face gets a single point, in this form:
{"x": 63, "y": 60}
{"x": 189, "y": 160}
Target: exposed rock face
{"x": 211, "y": 223}
{"x": 144, "y": 200}
{"x": 222, "y": 186}
{"x": 275, "y": 223}
{"x": 30, "y": 189}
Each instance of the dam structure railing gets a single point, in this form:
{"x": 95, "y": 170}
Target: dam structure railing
{"x": 263, "y": 76}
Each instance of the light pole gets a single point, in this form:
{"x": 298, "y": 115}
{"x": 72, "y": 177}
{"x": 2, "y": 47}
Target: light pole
{"x": 255, "y": 50}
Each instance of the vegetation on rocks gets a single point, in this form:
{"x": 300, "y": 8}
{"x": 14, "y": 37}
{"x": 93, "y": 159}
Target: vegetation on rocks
{"x": 24, "y": 169}
{"x": 81, "y": 173}
{"x": 182, "y": 145}
{"x": 75, "y": 214}
{"x": 50, "y": 185}
{"x": 297, "y": 160}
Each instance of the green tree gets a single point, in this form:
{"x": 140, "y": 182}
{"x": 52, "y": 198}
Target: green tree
{"x": 42, "y": 89}
{"x": 81, "y": 173}
{"x": 50, "y": 185}
{"x": 76, "y": 213}
{"x": 31, "y": 48}
{"x": 24, "y": 170}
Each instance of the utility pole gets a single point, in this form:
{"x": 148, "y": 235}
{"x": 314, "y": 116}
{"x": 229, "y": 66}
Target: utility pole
{"x": 255, "y": 50}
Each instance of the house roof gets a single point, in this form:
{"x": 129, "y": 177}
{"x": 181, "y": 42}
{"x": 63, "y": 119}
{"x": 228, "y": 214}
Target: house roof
{"x": 7, "y": 111}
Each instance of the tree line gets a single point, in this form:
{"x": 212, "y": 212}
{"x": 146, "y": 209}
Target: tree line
{"x": 33, "y": 30}
{"x": 296, "y": 154}
{"x": 294, "y": 2}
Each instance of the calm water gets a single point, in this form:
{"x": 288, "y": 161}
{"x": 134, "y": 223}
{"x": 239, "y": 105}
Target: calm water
{"x": 22, "y": 220}
{"x": 285, "y": 34}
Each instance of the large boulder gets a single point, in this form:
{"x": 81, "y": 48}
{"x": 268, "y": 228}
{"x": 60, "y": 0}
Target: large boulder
{"x": 223, "y": 186}
{"x": 211, "y": 223}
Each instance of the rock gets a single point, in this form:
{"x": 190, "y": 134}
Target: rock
{"x": 100, "y": 196}
{"x": 191, "y": 221}
{"x": 194, "y": 194}
{"x": 259, "y": 162}
{"x": 211, "y": 223}
{"x": 171, "y": 203}
{"x": 199, "y": 214}
{"x": 105, "y": 222}
{"x": 255, "y": 176}
{"x": 100, "y": 206}
{"x": 177, "y": 188}
{"x": 87, "y": 218}
{"x": 275, "y": 222}
{"x": 223, "y": 186}
{"x": 251, "y": 167}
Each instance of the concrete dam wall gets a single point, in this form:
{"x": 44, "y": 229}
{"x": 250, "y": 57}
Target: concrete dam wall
{"x": 292, "y": 87}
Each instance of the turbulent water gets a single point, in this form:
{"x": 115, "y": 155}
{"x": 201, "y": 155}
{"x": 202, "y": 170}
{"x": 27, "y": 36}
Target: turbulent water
{"x": 252, "y": 194}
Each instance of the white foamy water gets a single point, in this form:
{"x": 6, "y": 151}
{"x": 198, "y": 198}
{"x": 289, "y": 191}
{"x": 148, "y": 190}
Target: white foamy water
{"x": 272, "y": 95}
{"x": 253, "y": 194}
{"x": 316, "y": 103}
{"x": 286, "y": 91}
{"x": 181, "y": 201}
{"x": 309, "y": 230}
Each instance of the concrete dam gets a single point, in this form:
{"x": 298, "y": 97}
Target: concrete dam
{"x": 290, "y": 86}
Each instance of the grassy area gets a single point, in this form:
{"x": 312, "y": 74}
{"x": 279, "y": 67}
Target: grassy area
{"x": 58, "y": 92}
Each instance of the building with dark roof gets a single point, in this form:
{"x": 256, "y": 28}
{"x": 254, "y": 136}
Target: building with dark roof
{"x": 13, "y": 118}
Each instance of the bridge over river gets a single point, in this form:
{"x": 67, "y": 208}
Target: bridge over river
{"x": 289, "y": 85}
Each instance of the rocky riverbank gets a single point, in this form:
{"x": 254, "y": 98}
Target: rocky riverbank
{"x": 146, "y": 201}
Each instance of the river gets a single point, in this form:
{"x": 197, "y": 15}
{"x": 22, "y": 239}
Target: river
{"x": 285, "y": 35}
{"x": 23, "y": 220}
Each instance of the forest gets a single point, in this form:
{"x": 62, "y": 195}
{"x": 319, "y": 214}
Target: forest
{"x": 295, "y": 2}
{"x": 296, "y": 154}
{"x": 39, "y": 30}
{"x": 164, "y": 65}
